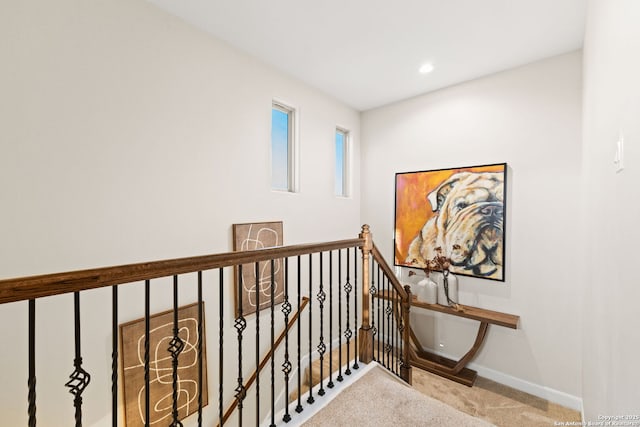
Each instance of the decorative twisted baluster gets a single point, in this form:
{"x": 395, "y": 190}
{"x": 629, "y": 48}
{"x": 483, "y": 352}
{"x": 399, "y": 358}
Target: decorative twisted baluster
{"x": 78, "y": 382}
{"x": 79, "y": 378}
{"x": 240, "y": 324}
{"x": 258, "y": 291}
{"x": 176, "y": 345}
{"x": 199, "y": 349}
{"x": 400, "y": 321}
{"x": 339, "y": 377}
{"x": 286, "y": 365}
{"x": 380, "y": 332}
{"x": 330, "y": 383}
{"x": 347, "y": 331}
{"x": 394, "y": 331}
{"x": 400, "y": 328}
{"x": 272, "y": 309}
{"x": 388, "y": 334}
{"x": 322, "y": 348}
{"x": 220, "y": 346}
{"x": 299, "y": 405}
{"x": 114, "y": 356}
{"x": 32, "y": 363}
{"x": 147, "y": 340}
{"x": 310, "y": 399}
{"x": 355, "y": 309}
{"x": 373, "y": 291}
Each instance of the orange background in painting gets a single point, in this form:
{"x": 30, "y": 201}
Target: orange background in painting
{"x": 412, "y": 207}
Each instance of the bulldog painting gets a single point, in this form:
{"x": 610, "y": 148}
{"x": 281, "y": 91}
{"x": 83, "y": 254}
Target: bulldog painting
{"x": 466, "y": 219}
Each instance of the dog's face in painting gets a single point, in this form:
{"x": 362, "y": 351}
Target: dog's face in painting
{"x": 468, "y": 225}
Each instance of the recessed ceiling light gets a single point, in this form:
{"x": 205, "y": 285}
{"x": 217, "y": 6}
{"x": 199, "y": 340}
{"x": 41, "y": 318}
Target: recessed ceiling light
{"x": 426, "y": 68}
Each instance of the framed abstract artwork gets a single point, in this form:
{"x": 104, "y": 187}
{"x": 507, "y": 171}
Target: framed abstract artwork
{"x": 254, "y": 292}
{"x": 459, "y": 212}
{"x": 132, "y": 335}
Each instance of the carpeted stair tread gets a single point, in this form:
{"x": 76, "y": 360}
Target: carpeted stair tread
{"x": 309, "y": 381}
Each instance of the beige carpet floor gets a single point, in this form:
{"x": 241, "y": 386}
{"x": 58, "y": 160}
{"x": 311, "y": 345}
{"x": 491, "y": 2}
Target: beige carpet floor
{"x": 378, "y": 399}
{"x": 496, "y": 403}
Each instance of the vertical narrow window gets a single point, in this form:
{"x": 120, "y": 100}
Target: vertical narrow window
{"x": 282, "y": 147}
{"x": 342, "y": 162}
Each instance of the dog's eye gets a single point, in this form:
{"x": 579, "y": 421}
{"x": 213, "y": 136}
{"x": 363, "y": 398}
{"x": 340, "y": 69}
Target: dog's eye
{"x": 461, "y": 205}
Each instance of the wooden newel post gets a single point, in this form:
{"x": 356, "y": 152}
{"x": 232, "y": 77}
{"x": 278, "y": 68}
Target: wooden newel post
{"x": 406, "y": 369}
{"x": 366, "y": 333}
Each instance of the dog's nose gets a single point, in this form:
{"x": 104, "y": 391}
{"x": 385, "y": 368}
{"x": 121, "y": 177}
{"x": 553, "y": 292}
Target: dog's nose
{"x": 491, "y": 211}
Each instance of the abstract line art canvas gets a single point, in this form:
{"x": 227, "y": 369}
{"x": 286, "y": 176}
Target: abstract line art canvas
{"x": 255, "y": 293}
{"x": 132, "y": 335}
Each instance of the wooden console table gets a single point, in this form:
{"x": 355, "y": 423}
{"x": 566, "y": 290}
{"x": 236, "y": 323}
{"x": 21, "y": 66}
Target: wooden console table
{"x": 456, "y": 370}
{"x": 452, "y": 369}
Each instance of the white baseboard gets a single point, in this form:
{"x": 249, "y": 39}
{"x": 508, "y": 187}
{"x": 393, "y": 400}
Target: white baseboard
{"x": 559, "y": 397}
{"x": 550, "y": 394}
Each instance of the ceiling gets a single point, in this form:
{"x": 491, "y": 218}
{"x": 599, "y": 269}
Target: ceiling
{"x": 366, "y": 53}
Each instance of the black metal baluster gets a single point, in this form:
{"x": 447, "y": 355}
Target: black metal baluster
{"x": 175, "y": 348}
{"x": 330, "y": 383}
{"x": 394, "y": 331}
{"x": 399, "y": 339}
{"x": 258, "y": 286}
{"x": 383, "y": 336}
{"x": 385, "y": 323}
{"x": 220, "y": 344}
{"x": 273, "y": 356}
{"x": 79, "y": 379}
{"x": 321, "y": 346}
{"x": 114, "y": 356}
{"x": 147, "y": 332}
{"x": 339, "y": 378}
{"x": 310, "y": 399}
{"x": 240, "y": 324}
{"x": 380, "y": 319}
{"x": 299, "y": 406}
{"x": 286, "y": 366}
{"x": 356, "y": 355}
{"x": 373, "y": 291}
{"x": 390, "y": 341}
{"x": 347, "y": 331}
{"x": 200, "y": 338}
{"x": 398, "y": 318}
{"x": 32, "y": 363}
{"x": 389, "y": 335}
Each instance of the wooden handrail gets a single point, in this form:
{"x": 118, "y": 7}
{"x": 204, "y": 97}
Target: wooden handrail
{"x": 389, "y": 273}
{"x": 25, "y": 288}
{"x": 265, "y": 359}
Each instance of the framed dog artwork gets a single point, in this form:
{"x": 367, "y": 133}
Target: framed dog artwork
{"x": 460, "y": 211}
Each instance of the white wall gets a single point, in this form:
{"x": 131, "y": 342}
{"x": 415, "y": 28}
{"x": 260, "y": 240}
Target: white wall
{"x": 528, "y": 117}
{"x": 612, "y": 208}
{"x": 129, "y": 136}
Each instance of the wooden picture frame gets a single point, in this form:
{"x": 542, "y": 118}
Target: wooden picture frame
{"x": 255, "y": 295}
{"x": 460, "y": 210}
{"x": 132, "y": 343}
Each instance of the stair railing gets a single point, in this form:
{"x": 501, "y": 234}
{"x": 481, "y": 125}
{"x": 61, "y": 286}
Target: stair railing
{"x": 265, "y": 359}
{"x": 328, "y": 274}
{"x": 393, "y": 333}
